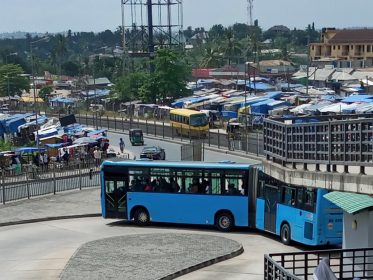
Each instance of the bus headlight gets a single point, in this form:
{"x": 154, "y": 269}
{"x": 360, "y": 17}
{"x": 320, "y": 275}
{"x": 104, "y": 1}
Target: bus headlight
{"x": 330, "y": 226}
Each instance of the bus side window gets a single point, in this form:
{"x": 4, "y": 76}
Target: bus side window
{"x": 288, "y": 196}
{"x": 299, "y": 203}
{"x": 309, "y": 200}
{"x": 215, "y": 183}
{"x": 109, "y": 185}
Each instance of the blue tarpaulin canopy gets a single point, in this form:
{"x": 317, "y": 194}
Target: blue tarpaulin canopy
{"x": 94, "y": 132}
{"x": 259, "y": 86}
{"x": 358, "y": 98}
{"x": 58, "y": 145}
{"x": 29, "y": 150}
{"x": 63, "y": 100}
{"x": 228, "y": 114}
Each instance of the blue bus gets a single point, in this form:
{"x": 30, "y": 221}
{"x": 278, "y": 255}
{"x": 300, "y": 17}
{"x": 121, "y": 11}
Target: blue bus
{"x": 221, "y": 194}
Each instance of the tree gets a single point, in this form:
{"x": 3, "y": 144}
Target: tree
{"x": 216, "y": 32}
{"x": 60, "y": 49}
{"x": 169, "y": 79}
{"x": 212, "y": 57}
{"x": 127, "y": 88}
{"x": 45, "y": 92}
{"x": 231, "y": 47}
{"x": 70, "y": 68}
{"x": 10, "y": 77}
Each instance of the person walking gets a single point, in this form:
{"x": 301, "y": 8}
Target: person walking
{"x": 121, "y": 145}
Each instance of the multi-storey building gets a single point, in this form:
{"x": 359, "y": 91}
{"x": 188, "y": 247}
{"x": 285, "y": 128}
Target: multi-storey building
{"x": 344, "y": 47}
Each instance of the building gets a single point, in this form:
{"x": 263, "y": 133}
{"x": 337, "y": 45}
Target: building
{"x": 344, "y": 48}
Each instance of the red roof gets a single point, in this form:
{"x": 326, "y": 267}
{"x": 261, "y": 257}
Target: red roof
{"x": 347, "y": 36}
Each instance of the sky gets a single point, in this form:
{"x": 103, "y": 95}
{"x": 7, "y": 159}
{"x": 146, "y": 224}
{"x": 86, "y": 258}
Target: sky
{"x": 98, "y": 15}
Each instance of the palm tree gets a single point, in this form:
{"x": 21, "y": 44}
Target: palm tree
{"x": 232, "y": 48}
{"x": 211, "y": 57}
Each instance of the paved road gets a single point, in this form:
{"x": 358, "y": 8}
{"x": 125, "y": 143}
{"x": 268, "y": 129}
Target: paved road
{"x": 173, "y": 150}
{"x": 41, "y": 250}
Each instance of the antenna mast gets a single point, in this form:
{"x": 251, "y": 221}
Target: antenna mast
{"x": 250, "y": 7}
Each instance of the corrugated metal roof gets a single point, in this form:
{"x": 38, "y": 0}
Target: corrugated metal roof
{"x": 350, "y": 202}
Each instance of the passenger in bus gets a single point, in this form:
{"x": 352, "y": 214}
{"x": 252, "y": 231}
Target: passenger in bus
{"x": 233, "y": 190}
{"x": 206, "y": 186}
{"x": 138, "y": 186}
{"x": 148, "y": 186}
{"x": 163, "y": 185}
{"x": 154, "y": 185}
{"x": 174, "y": 185}
{"x": 196, "y": 186}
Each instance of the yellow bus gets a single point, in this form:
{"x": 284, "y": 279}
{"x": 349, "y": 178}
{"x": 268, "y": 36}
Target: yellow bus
{"x": 189, "y": 122}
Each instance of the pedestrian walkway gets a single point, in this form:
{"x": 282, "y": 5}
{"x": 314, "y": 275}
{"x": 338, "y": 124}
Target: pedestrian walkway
{"x": 70, "y": 204}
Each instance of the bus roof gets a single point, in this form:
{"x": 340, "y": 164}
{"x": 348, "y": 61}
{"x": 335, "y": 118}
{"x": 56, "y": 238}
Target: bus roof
{"x": 178, "y": 164}
{"x": 186, "y": 112}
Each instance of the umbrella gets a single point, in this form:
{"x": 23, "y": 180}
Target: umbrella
{"x": 85, "y": 140}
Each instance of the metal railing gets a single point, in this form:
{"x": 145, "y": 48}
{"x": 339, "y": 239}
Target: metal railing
{"x": 345, "y": 263}
{"x": 59, "y": 177}
{"x": 342, "y": 140}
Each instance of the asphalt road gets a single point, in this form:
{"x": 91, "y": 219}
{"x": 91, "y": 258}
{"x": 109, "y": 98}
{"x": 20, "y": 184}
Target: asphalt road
{"x": 41, "y": 250}
{"x": 173, "y": 151}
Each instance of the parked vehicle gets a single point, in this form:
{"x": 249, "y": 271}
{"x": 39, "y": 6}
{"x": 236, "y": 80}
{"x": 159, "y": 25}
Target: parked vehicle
{"x": 153, "y": 152}
{"x": 136, "y": 137}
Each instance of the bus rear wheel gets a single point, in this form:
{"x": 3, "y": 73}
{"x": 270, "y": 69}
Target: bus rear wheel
{"x": 141, "y": 217}
{"x": 285, "y": 234}
{"x": 224, "y": 221}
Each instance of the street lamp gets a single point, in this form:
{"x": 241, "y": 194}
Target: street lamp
{"x": 43, "y": 39}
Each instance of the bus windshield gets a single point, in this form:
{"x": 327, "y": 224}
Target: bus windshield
{"x": 198, "y": 120}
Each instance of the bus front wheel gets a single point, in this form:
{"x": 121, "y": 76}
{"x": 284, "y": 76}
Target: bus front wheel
{"x": 224, "y": 221}
{"x": 141, "y": 217}
{"x": 285, "y": 234}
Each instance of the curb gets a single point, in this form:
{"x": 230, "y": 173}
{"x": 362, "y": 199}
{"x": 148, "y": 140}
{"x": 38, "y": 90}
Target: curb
{"x": 37, "y": 220}
{"x": 204, "y": 264}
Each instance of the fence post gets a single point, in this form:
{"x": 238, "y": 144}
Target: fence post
{"x": 163, "y": 129}
{"x": 172, "y": 131}
{"x": 115, "y": 122}
{"x": 54, "y": 178}
{"x": 3, "y": 185}
{"x": 86, "y": 118}
{"x": 107, "y": 121}
{"x": 27, "y": 185}
{"x": 209, "y": 138}
{"x": 146, "y": 126}
{"x": 122, "y": 123}
{"x": 155, "y": 128}
{"x": 80, "y": 176}
{"x": 219, "y": 139}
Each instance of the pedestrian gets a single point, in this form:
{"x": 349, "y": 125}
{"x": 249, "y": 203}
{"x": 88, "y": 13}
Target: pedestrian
{"x": 97, "y": 156}
{"x": 121, "y": 145}
{"x": 66, "y": 157}
{"x": 45, "y": 161}
{"x": 41, "y": 160}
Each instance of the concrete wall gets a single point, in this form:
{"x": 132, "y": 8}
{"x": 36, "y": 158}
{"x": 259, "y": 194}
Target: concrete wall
{"x": 317, "y": 179}
{"x": 358, "y": 233}
{"x": 358, "y": 230}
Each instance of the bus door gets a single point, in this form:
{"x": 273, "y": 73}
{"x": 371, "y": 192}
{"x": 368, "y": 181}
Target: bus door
{"x": 116, "y": 198}
{"x": 271, "y": 200}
